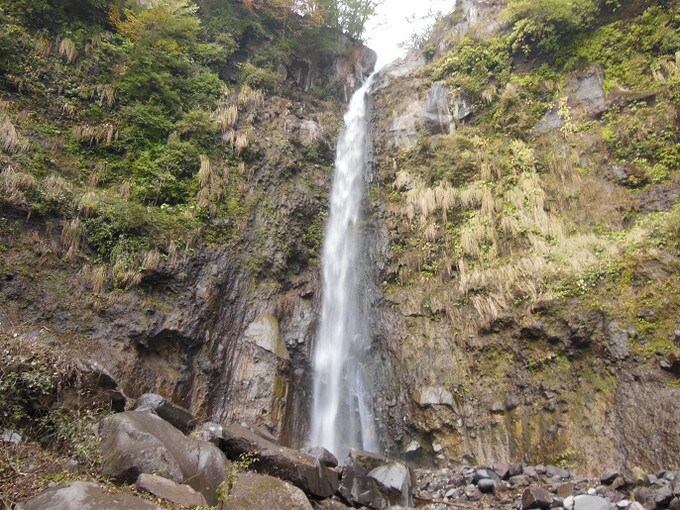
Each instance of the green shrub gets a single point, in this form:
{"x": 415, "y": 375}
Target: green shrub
{"x": 163, "y": 173}
{"x": 257, "y": 77}
{"x": 541, "y": 25}
{"x": 146, "y": 122}
{"x": 473, "y": 64}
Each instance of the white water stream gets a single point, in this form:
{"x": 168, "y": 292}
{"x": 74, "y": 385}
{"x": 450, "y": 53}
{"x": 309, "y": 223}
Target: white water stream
{"x": 342, "y": 412}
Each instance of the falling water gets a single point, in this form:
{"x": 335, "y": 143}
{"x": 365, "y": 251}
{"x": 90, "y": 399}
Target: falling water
{"x": 342, "y": 414}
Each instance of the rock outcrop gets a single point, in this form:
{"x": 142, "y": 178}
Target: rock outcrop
{"x": 136, "y": 442}
{"x": 304, "y": 471}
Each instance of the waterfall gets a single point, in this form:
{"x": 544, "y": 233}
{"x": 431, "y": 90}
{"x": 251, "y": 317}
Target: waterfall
{"x": 342, "y": 411}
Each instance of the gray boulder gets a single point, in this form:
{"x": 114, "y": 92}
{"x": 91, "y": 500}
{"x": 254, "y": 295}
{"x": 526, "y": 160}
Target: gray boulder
{"x": 140, "y": 442}
{"x": 519, "y": 480}
{"x": 609, "y": 476}
{"x": 358, "y": 489}
{"x": 586, "y": 502}
{"x": 325, "y": 457}
{"x": 663, "y": 496}
{"x": 585, "y": 92}
{"x": 84, "y": 496}
{"x": 461, "y": 107}
{"x": 557, "y": 471}
{"x": 552, "y": 120}
{"x": 177, "y": 416}
{"x": 486, "y": 474}
{"x": 396, "y": 481}
{"x": 367, "y": 460}
{"x": 253, "y": 491}
{"x": 435, "y": 396}
{"x": 304, "y": 471}
{"x": 487, "y": 485}
{"x": 182, "y": 495}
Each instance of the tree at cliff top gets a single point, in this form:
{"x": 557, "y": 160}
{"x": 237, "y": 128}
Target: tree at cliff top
{"x": 348, "y": 16}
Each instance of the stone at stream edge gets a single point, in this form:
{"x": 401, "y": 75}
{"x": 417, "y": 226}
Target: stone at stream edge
{"x": 359, "y": 489}
{"x": 84, "y": 496}
{"x": 536, "y": 497}
{"x": 586, "y": 502}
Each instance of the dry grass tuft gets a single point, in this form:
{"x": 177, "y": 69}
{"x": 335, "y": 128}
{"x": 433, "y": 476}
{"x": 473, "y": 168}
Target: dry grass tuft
{"x": 89, "y": 203}
{"x": 125, "y": 189}
{"x": 226, "y": 117}
{"x": 432, "y": 233}
{"x": 94, "y": 135}
{"x": 16, "y": 185}
{"x": 403, "y": 181}
{"x": 93, "y": 277}
{"x": 211, "y": 181}
{"x": 107, "y": 94}
{"x": 248, "y": 97}
{"x": 56, "y": 187}
{"x": 71, "y": 237}
{"x": 42, "y": 45}
{"x": 124, "y": 273}
{"x": 68, "y": 50}
{"x": 152, "y": 260}
{"x": 241, "y": 143}
{"x": 10, "y": 140}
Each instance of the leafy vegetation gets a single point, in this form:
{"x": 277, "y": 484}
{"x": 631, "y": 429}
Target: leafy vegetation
{"x": 513, "y": 218}
{"x": 136, "y": 125}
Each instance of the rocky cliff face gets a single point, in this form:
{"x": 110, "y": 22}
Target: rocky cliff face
{"x": 553, "y": 376}
{"x": 225, "y": 328}
{"x": 523, "y": 265}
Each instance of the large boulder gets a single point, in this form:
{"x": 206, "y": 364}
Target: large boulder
{"x": 587, "y": 502}
{"x": 253, "y": 491}
{"x": 552, "y": 120}
{"x": 359, "y": 489}
{"x": 305, "y": 471}
{"x": 139, "y": 442}
{"x": 367, "y": 460}
{"x": 84, "y": 496}
{"x": 172, "y": 413}
{"x": 182, "y": 495}
{"x": 396, "y": 481}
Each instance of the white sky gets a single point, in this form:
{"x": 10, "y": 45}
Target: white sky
{"x": 394, "y": 24}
